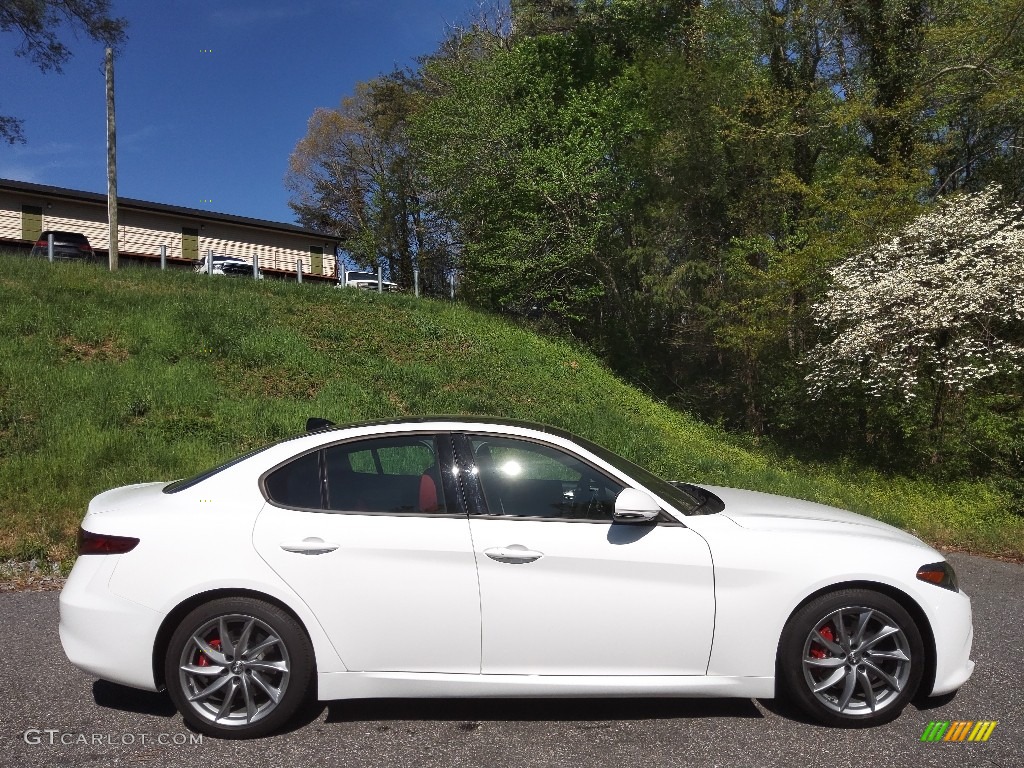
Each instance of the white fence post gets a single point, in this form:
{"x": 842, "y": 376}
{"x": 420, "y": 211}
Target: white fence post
{"x": 298, "y": 269}
{"x": 49, "y": 247}
{"x": 163, "y": 257}
{"x": 416, "y": 282}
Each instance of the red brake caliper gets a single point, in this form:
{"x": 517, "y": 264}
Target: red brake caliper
{"x": 202, "y": 661}
{"x": 819, "y": 651}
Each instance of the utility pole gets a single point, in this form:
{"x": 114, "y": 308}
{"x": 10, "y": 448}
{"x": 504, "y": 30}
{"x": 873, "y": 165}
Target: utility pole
{"x": 111, "y": 162}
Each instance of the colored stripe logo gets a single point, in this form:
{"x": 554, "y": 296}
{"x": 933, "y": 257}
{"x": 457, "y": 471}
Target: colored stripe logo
{"x": 959, "y": 730}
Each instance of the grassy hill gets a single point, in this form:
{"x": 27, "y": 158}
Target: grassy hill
{"x": 108, "y": 379}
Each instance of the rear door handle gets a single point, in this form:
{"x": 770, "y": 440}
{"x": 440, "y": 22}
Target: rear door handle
{"x": 513, "y": 554}
{"x": 311, "y": 545}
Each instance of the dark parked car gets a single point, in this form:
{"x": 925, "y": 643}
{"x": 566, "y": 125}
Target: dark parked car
{"x": 66, "y": 245}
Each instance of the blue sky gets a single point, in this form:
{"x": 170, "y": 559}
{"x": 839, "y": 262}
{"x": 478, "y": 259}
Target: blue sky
{"x": 195, "y": 126}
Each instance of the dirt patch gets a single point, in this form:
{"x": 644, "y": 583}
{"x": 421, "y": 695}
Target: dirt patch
{"x": 268, "y": 382}
{"x": 106, "y": 351}
{"x": 399, "y": 403}
{"x": 32, "y": 576}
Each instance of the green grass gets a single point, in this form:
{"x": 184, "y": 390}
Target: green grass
{"x": 108, "y": 379}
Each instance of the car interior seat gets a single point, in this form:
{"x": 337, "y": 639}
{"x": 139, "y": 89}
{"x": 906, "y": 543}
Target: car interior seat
{"x": 429, "y": 492}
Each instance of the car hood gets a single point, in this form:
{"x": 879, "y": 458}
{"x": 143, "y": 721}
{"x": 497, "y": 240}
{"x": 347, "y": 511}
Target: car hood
{"x": 766, "y": 511}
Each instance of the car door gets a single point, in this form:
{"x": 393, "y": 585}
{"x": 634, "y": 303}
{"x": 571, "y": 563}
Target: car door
{"x": 564, "y": 590}
{"x": 372, "y": 535}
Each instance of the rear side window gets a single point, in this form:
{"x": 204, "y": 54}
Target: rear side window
{"x": 297, "y": 484}
{"x": 398, "y": 474}
{"x": 393, "y": 474}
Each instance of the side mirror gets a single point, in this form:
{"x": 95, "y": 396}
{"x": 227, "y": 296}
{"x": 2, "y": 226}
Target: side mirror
{"x": 633, "y": 506}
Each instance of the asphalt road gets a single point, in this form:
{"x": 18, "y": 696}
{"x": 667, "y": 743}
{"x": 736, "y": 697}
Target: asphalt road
{"x": 45, "y": 701}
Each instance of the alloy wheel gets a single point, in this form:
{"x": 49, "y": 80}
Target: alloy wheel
{"x": 856, "y": 661}
{"x": 234, "y": 670}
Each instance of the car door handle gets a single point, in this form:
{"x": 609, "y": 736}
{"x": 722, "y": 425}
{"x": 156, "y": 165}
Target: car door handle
{"x": 311, "y": 545}
{"x": 514, "y": 554}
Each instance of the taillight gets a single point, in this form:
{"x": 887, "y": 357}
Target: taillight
{"x": 939, "y": 574}
{"x": 42, "y": 243}
{"x": 90, "y": 543}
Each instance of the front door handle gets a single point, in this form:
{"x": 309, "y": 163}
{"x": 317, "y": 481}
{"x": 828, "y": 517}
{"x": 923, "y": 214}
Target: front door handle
{"x": 513, "y": 554}
{"x": 311, "y": 545}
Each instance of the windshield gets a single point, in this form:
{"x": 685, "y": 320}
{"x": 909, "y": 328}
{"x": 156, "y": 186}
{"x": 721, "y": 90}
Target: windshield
{"x": 362, "y": 276}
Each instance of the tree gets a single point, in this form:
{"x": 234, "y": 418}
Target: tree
{"x": 354, "y": 176}
{"x": 888, "y": 36}
{"x": 521, "y": 161}
{"x": 932, "y": 311}
{"x": 975, "y": 81}
{"x": 39, "y": 23}
{"x": 532, "y": 145}
{"x": 542, "y": 17}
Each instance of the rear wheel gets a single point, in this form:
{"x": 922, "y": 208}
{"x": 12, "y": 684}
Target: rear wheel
{"x": 238, "y": 668}
{"x": 851, "y": 658}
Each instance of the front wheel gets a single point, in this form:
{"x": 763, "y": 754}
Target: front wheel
{"x": 238, "y": 668}
{"x": 851, "y": 658}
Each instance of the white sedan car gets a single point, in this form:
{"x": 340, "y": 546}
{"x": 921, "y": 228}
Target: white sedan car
{"x": 464, "y": 557}
{"x": 367, "y": 281}
{"x": 225, "y": 265}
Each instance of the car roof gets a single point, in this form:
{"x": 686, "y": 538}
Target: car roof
{"x": 469, "y": 421}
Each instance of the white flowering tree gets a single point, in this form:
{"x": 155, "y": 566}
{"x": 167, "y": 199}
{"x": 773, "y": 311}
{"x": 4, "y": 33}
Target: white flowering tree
{"x": 937, "y": 308}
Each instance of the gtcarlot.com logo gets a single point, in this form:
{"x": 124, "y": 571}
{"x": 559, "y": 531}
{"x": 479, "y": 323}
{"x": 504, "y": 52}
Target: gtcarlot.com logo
{"x": 959, "y": 730}
{"x": 55, "y": 737}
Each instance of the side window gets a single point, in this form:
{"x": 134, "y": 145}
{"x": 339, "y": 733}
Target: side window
{"x": 393, "y": 474}
{"x": 525, "y": 479}
{"x": 297, "y": 483}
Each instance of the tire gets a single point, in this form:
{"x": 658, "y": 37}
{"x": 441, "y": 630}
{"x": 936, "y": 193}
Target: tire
{"x": 851, "y": 658}
{"x": 246, "y": 687}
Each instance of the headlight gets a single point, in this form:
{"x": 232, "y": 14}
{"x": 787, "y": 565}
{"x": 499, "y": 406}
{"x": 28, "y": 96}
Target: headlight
{"x": 939, "y": 574}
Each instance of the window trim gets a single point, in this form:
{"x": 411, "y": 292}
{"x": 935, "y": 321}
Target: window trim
{"x": 442, "y": 439}
{"x": 462, "y": 443}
